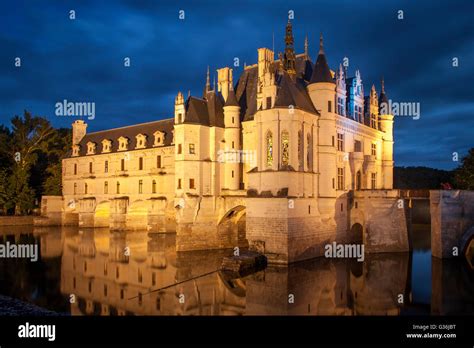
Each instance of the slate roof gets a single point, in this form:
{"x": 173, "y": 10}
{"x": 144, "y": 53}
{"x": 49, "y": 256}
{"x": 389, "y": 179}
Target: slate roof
{"x": 321, "y": 71}
{"x": 130, "y": 132}
{"x": 290, "y": 92}
{"x": 207, "y": 112}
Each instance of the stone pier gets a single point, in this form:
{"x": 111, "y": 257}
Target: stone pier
{"x": 452, "y": 222}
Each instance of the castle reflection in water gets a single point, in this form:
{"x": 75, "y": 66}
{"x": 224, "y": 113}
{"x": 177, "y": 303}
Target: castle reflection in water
{"x": 138, "y": 273}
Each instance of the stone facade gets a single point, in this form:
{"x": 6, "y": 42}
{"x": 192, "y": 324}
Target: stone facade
{"x": 282, "y": 149}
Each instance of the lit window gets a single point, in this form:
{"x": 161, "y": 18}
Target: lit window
{"x": 123, "y": 143}
{"x": 75, "y": 150}
{"x": 357, "y": 146}
{"x": 285, "y": 148}
{"x": 373, "y": 180}
{"x": 158, "y": 161}
{"x": 159, "y": 138}
{"x": 269, "y": 149}
{"x": 340, "y": 178}
{"x": 340, "y": 142}
{"x": 373, "y": 149}
{"x": 141, "y": 141}
{"x": 106, "y": 145}
{"x": 91, "y": 148}
{"x": 191, "y": 149}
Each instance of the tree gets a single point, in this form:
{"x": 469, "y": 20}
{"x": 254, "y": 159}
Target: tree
{"x": 464, "y": 175}
{"x": 29, "y": 137}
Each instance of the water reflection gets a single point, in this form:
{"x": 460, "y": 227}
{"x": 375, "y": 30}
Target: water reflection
{"x": 138, "y": 273}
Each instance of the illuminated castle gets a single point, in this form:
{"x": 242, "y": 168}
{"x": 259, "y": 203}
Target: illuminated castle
{"x": 272, "y": 160}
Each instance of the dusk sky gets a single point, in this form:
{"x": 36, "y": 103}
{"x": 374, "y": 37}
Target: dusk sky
{"x": 82, "y": 60}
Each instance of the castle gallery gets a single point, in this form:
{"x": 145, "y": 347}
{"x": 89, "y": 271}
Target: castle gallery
{"x": 288, "y": 157}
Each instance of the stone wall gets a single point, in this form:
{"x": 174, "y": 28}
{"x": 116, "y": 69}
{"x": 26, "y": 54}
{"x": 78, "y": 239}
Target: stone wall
{"x": 452, "y": 216}
{"x": 382, "y": 213}
{"x": 288, "y": 230}
{"x": 16, "y": 220}
{"x": 207, "y": 222}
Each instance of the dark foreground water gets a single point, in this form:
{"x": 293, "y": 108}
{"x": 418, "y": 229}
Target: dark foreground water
{"x": 96, "y": 272}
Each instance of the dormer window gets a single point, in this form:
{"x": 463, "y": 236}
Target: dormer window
{"x": 91, "y": 148}
{"x": 141, "y": 141}
{"x": 106, "y": 145}
{"x": 159, "y": 138}
{"x": 75, "y": 150}
{"x": 123, "y": 144}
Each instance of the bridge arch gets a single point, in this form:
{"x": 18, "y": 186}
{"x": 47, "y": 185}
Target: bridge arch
{"x": 137, "y": 215}
{"x": 357, "y": 233}
{"x": 102, "y": 214}
{"x": 233, "y": 222}
{"x": 467, "y": 246}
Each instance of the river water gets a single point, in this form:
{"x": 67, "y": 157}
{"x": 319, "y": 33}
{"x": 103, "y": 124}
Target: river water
{"x": 98, "y": 272}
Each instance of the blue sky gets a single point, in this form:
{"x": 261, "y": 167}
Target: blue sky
{"x": 82, "y": 59}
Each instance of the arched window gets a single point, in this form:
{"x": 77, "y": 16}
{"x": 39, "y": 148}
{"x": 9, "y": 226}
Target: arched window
{"x": 309, "y": 153}
{"x": 285, "y": 148}
{"x": 300, "y": 151}
{"x": 269, "y": 149}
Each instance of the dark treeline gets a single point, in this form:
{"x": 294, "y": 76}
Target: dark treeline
{"x": 433, "y": 179}
{"x": 31, "y": 151}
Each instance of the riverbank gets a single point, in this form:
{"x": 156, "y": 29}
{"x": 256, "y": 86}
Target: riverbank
{"x": 16, "y": 220}
{"x": 13, "y": 307}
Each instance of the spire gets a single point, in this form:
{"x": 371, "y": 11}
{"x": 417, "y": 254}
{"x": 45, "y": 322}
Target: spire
{"x": 289, "y": 59}
{"x": 207, "y": 89}
{"x": 383, "y": 97}
{"x": 208, "y": 81}
{"x": 306, "y": 45}
{"x": 321, "y": 47}
{"x": 321, "y": 72}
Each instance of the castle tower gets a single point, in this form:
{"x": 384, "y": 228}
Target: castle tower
{"x": 322, "y": 91}
{"x": 232, "y": 140}
{"x": 79, "y": 128}
{"x": 386, "y": 126}
{"x": 179, "y": 108}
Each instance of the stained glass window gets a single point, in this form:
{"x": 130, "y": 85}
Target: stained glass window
{"x": 285, "y": 148}
{"x": 269, "y": 149}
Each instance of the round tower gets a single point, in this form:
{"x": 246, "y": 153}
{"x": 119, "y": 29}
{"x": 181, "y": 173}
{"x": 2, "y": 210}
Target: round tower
{"x": 232, "y": 158}
{"x": 322, "y": 91}
{"x": 386, "y": 126}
